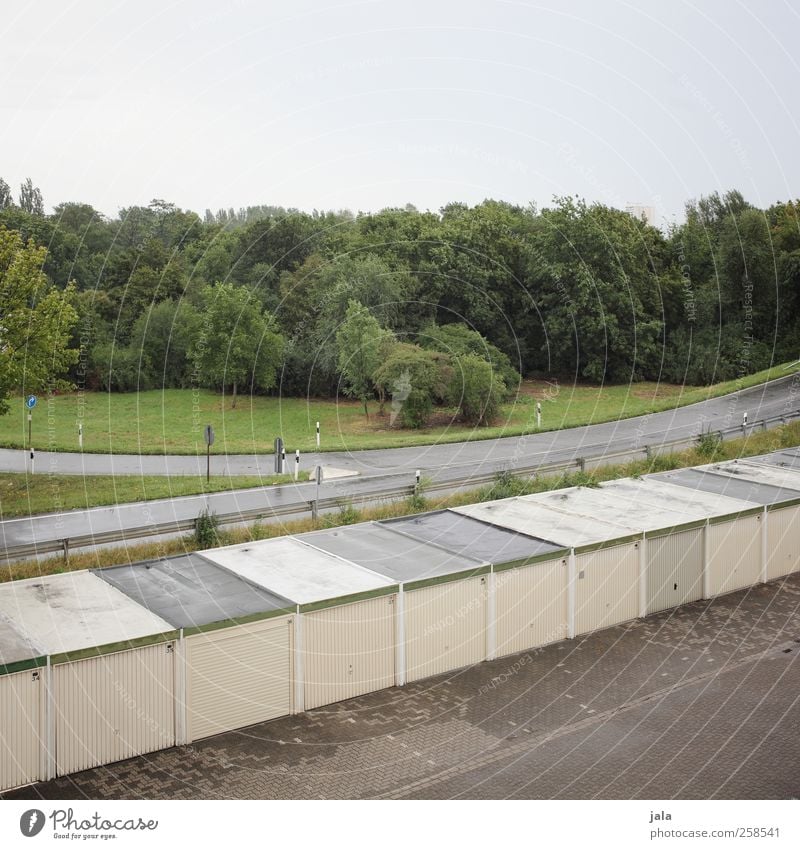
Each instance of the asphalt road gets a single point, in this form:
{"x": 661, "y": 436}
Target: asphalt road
{"x": 377, "y": 468}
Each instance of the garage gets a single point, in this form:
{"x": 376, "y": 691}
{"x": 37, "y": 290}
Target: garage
{"x": 529, "y": 576}
{"x": 23, "y": 708}
{"x": 442, "y": 599}
{"x": 344, "y": 639}
{"x": 112, "y": 667}
{"x": 237, "y": 650}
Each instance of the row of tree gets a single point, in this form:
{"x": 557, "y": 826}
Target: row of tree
{"x": 572, "y": 290}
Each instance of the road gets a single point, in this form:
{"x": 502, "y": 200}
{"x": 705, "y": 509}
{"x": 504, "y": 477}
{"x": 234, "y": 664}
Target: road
{"x": 378, "y": 469}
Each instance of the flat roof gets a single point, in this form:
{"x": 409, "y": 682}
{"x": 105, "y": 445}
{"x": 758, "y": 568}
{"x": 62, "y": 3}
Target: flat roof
{"x": 788, "y": 457}
{"x": 724, "y": 484}
{"x": 783, "y": 478}
{"x": 190, "y": 591}
{"x": 295, "y": 570}
{"x": 692, "y": 504}
{"x": 525, "y": 516}
{"x": 391, "y": 553}
{"x": 465, "y": 535}
{"x": 76, "y": 610}
{"x": 15, "y": 646}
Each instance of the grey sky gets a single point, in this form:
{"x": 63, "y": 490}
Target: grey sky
{"x": 372, "y": 104}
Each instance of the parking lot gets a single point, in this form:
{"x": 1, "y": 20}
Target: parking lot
{"x": 699, "y": 702}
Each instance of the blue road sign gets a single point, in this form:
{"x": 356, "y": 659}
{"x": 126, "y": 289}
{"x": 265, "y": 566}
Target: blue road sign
{"x": 30, "y": 402}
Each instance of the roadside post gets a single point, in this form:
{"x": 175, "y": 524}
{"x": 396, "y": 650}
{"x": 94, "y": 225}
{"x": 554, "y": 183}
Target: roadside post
{"x": 279, "y": 455}
{"x": 30, "y": 403}
{"x": 297, "y": 464}
{"x": 80, "y": 436}
{"x": 416, "y": 482}
{"x": 318, "y": 474}
{"x": 317, "y": 436}
{"x": 538, "y": 415}
{"x": 283, "y": 459}
{"x": 208, "y": 433}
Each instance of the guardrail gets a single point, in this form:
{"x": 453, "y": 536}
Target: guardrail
{"x": 391, "y": 493}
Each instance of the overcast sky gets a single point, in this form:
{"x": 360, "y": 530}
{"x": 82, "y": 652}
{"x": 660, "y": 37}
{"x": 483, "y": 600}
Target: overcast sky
{"x": 364, "y": 105}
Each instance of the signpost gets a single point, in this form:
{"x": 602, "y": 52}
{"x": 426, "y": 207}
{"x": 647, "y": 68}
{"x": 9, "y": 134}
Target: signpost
{"x": 279, "y": 455}
{"x": 30, "y": 403}
{"x": 208, "y": 435}
{"x": 318, "y": 474}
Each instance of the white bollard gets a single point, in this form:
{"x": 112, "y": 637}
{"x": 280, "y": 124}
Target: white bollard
{"x": 297, "y": 464}
{"x": 31, "y": 459}
{"x": 283, "y": 461}
{"x": 80, "y": 437}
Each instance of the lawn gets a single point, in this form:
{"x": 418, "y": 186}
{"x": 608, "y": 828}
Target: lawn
{"x": 172, "y": 421}
{"x": 25, "y": 495}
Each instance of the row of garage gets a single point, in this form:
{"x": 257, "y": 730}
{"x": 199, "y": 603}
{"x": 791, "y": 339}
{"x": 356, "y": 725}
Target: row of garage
{"x": 100, "y": 666}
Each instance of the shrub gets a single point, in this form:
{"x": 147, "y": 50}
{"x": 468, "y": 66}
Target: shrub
{"x": 206, "y": 530}
{"x": 476, "y": 390}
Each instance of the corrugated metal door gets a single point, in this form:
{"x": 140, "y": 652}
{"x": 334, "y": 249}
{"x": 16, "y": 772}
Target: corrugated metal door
{"x": 606, "y": 587}
{"x": 674, "y": 569}
{"x": 445, "y": 627}
{"x": 783, "y": 541}
{"x": 238, "y": 676}
{"x": 348, "y": 650}
{"x": 22, "y": 726}
{"x": 113, "y": 707}
{"x": 531, "y": 606}
{"x": 734, "y": 554}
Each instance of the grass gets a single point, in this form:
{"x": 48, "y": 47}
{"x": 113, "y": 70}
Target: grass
{"x": 756, "y": 443}
{"x": 171, "y": 421}
{"x": 27, "y": 495}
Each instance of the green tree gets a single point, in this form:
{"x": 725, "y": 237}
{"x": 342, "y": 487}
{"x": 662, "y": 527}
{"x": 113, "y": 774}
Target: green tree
{"x": 409, "y": 376}
{"x": 30, "y": 198}
{"x": 35, "y": 321}
{"x": 361, "y": 342}
{"x": 236, "y": 343}
{"x": 6, "y": 199}
{"x": 476, "y": 390}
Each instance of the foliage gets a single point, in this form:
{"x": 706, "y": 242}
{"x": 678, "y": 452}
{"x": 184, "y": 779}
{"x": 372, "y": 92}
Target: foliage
{"x": 206, "y": 530}
{"x": 476, "y": 390}
{"x": 709, "y": 443}
{"x": 35, "y": 321}
{"x": 409, "y": 376}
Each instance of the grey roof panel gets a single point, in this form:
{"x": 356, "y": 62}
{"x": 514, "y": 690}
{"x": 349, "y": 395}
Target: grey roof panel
{"x": 729, "y": 485}
{"x": 390, "y": 553}
{"x": 190, "y": 591}
{"x": 14, "y": 645}
{"x": 471, "y": 537}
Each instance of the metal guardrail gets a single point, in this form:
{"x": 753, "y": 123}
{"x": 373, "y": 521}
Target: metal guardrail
{"x": 634, "y": 452}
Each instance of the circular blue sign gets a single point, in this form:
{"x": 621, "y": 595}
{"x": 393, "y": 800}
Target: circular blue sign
{"x": 30, "y": 402}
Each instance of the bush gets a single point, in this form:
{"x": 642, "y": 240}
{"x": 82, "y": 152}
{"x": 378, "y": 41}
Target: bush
{"x": 407, "y": 379}
{"x": 476, "y": 390}
{"x": 206, "y": 530}
{"x": 709, "y": 443}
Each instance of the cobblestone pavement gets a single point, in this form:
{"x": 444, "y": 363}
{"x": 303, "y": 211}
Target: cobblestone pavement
{"x": 699, "y": 702}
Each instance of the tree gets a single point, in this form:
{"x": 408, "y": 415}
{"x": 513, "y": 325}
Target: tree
{"x": 5, "y": 195}
{"x": 409, "y": 375}
{"x": 35, "y": 321}
{"x": 360, "y": 342}
{"x": 235, "y": 341}
{"x": 30, "y": 198}
{"x": 476, "y": 390}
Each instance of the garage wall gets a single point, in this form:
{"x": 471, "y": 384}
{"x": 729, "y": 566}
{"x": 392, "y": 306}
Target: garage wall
{"x": 238, "y": 676}
{"x": 606, "y": 587}
{"x": 674, "y": 569}
{"x": 531, "y": 606}
{"x": 348, "y": 650}
{"x": 23, "y": 699}
{"x": 783, "y": 541}
{"x": 734, "y": 554}
{"x": 113, "y": 707}
{"x": 445, "y": 627}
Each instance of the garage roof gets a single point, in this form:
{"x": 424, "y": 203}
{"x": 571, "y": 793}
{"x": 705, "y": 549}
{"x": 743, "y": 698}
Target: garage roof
{"x": 783, "y": 478}
{"x": 561, "y": 528}
{"x": 297, "y": 571}
{"x": 15, "y": 648}
{"x": 190, "y": 591}
{"x": 724, "y": 484}
{"x": 789, "y": 457}
{"x": 74, "y": 611}
{"x": 391, "y": 553}
{"x": 465, "y": 535}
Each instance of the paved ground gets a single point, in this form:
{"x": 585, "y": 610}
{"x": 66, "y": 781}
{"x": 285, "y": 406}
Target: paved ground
{"x": 702, "y": 702}
{"x": 456, "y": 461}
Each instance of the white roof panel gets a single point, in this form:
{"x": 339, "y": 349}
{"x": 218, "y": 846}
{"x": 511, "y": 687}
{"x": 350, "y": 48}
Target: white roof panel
{"x": 785, "y": 478}
{"x": 73, "y": 611}
{"x": 296, "y": 570}
{"x": 526, "y": 516}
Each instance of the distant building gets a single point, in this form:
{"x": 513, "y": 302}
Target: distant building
{"x": 644, "y": 213}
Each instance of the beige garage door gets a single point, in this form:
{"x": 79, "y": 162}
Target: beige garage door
{"x": 531, "y": 606}
{"x": 783, "y": 542}
{"x": 22, "y": 724}
{"x": 734, "y": 554}
{"x": 445, "y": 627}
{"x": 113, "y": 707}
{"x": 348, "y": 650}
{"x": 606, "y": 587}
{"x": 674, "y": 569}
{"x": 238, "y": 676}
